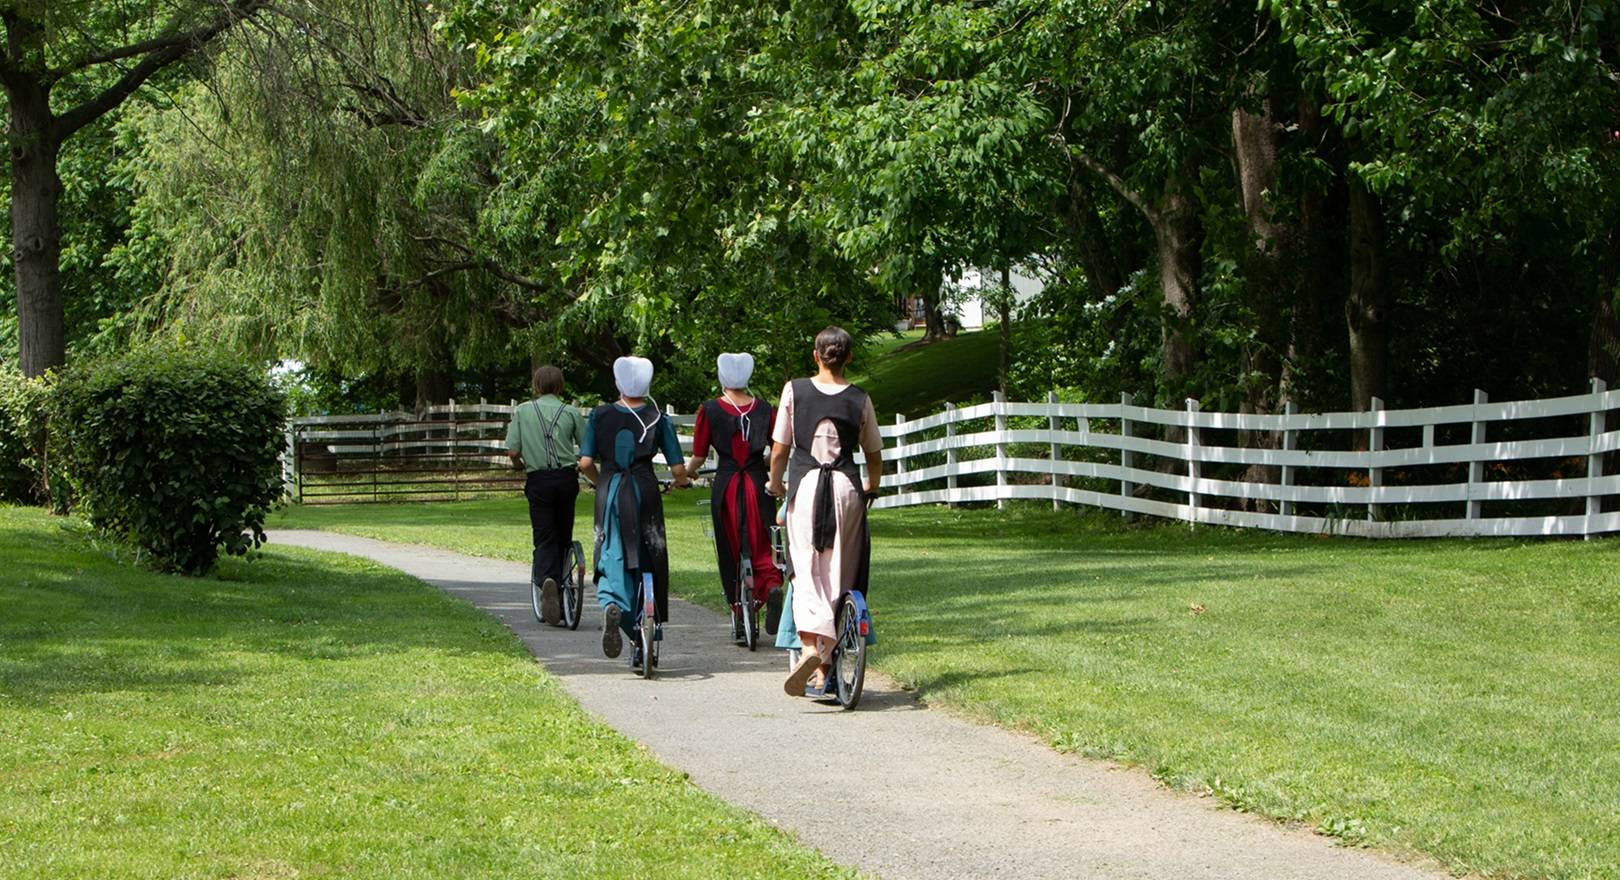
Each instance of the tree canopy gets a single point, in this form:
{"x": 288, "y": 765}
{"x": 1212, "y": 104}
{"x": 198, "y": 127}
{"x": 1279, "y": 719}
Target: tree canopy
{"x": 1302, "y": 201}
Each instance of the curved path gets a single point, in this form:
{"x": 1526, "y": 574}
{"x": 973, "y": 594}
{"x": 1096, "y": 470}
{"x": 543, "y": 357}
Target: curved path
{"x": 912, "y": 792}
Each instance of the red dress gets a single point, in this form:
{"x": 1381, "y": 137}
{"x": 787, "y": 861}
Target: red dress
{"x": 740, "y": 437}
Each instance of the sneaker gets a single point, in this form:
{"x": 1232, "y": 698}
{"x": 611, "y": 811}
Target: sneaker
{"x": 612, "y": 638}
{"x": 635, "y": 659}
{"x": 773, "y": 610}
{"x": 736, "y": 625}
{"x": 550, "y": 602}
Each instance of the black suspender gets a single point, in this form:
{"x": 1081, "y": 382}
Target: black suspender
{"x": 549, "y": 432}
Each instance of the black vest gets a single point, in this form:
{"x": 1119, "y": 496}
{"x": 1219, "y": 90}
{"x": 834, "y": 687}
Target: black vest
{"x": 810, "y": 408}
{"x": 723, "y": 426}
{"x": 637, "y": 506}
{"x": 729, "y": 488}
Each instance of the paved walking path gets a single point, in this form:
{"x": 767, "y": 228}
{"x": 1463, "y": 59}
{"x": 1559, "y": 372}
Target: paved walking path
{"x": 905, "y": 792}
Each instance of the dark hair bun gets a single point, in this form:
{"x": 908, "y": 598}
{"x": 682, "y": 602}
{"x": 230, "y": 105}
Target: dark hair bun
{"x": 833, "y": 345}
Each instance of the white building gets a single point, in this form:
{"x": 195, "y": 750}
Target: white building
{"x": 961, "y": 295}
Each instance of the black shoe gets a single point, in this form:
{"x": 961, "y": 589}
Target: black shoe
{"x": 635, "y": 659}
{"x": 736, "y": 624}
{"x": 612, "y": 638}
{"x": 550, "y": 602}
{"x": 773, "y": 610}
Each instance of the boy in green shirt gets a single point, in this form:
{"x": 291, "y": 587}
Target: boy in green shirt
{"x": 543, "y": 438}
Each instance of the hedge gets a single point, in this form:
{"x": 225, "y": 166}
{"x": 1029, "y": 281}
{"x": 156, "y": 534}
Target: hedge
{"x": 174, "y": 452}
{"x": 24, "y": 407}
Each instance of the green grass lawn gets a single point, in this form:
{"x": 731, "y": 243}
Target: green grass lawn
{"x": 1456, "y": 698}
{"x": 917, "y": 382}
{"x": 309, "y": 715}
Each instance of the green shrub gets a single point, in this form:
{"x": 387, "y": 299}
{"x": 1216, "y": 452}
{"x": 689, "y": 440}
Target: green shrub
{"x": 24, "y": 405}
{"x": 173, "y": 452}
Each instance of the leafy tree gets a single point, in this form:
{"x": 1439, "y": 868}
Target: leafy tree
{"x": 66, "y": 64}
{"x": 322, "y": 198}
{"x": 627, "y": 137}
{"x": 1494, "y": 119}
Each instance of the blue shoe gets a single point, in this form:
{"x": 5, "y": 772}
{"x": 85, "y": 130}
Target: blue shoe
{"x": 612, "y": 639}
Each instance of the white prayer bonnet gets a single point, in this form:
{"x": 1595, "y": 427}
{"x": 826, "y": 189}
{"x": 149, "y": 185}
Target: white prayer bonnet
{"x": 735, "y": 369}
{"x": 633, "y": 375}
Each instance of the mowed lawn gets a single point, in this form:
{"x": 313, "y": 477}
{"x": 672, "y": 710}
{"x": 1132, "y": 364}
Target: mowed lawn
{"x": 309, "y": 715}
{"x": 1457, "y": 698}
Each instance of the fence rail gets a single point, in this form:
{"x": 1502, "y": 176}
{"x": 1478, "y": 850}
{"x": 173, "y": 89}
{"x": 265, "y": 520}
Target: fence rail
{"x": 450, "y": 452}
{"x": 1533, "y": 467}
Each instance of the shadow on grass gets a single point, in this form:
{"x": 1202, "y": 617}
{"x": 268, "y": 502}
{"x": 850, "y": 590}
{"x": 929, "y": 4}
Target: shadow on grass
{"x": 77, "y": 621}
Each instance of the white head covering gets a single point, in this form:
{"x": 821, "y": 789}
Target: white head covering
{"x": 735, "y": 369}
{"x": 633, "y": 375}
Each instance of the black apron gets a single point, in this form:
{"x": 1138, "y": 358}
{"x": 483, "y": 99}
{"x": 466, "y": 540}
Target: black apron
{"x": 845, "y": 409}
{"x": 723, "y": 426}
{"x": 640, "y": 519}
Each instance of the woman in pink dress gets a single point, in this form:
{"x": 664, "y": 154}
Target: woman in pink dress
{"x": 820, "y": 424}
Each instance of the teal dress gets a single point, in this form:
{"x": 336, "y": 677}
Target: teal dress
{"x": 630, "y": 536}
{"x": 787, "y": 635}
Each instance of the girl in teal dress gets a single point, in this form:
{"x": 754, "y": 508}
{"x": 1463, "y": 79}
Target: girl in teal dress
{"x": 616, "y": 454}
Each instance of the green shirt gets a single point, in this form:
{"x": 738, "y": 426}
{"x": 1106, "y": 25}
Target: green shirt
{"x": 526, "y": 433}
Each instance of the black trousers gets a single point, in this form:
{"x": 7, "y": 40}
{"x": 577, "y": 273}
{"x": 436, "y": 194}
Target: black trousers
{"x": 551, "y": 495}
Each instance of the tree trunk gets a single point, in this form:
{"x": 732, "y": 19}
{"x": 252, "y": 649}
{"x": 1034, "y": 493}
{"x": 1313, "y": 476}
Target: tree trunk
{"x": 1177, "y": 233}
{"x": 1366, "y": 311}
{"x": 1097, "y": 258}
{"x": 1603, "y": 350}
{"x": 935, "y": 320}
{"x": 434, "y": 387}
{"x": 1267, "y": 289}
{"x": 1603, "y": 345}
{"x": 1004, "y": 308}
{"x": 1319, "y": 260}
{"x": 36, "y": 233}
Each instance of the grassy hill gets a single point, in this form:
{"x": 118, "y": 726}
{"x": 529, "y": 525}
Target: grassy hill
{"x": 905, "y": 376}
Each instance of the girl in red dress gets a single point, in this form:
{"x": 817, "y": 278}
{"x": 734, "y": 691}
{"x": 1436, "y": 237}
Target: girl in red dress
{"x": 738, "y": 426}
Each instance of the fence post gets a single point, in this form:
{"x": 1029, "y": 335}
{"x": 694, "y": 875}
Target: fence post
{"x": 289, "y": 462}
{"x": 669, "y": 413}
{"x": 1290, "y": 442}
{"x": 1375, "y": 445}
{"x": 376, "y": 439}
{"x": 1476, "y": 468}
{"x": 1127, "y": 458}
{"x": 1001, "y": 449}
{"x": 1594, "y": 459}
{"x": 899, "y": 460}
{"x": 1052, "y": 425}
{"x": 455, "y": 451}
{"x": 950, "y": 454}
{"x": 1194, "y": 472}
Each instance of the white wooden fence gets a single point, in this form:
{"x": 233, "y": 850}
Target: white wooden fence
{"x": 1518, "y": 468}
{"x": 445, "y": 453}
